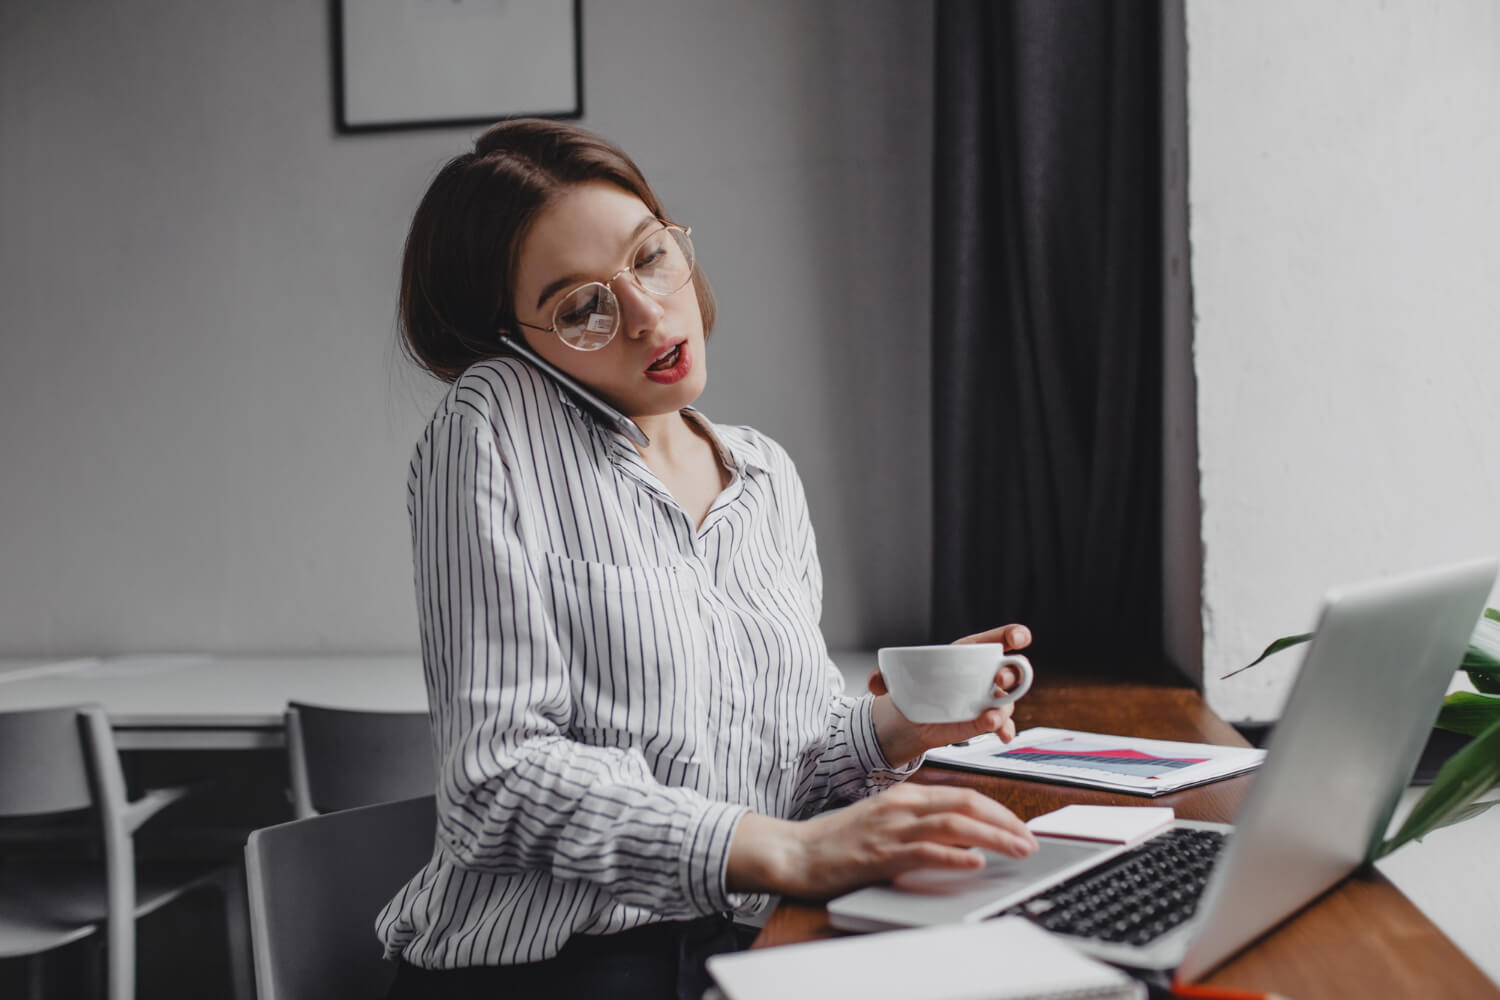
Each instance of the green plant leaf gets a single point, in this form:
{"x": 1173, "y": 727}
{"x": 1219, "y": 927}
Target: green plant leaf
{"x": 1487, "y": 681}
{"x": 1284, "y": 642}
{"x": 1467, "y": 712}
{"x": 1482, "y": 658}
{"x": 1468, "y": 774}
{"x": 1468, "y": 812}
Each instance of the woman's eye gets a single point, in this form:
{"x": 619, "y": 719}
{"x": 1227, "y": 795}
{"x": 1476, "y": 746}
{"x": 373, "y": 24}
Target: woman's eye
{"x": 651, "y": 254}
{"x": 575, "y": 313}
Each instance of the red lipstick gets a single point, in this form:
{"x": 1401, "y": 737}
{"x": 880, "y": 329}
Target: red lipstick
{"x": 679, "y": 369}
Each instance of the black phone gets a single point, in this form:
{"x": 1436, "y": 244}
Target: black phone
{"x": 611, "y": 416}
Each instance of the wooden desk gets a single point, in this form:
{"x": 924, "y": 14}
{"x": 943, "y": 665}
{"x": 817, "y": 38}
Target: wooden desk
{"x": 213, "y": 702}
{"x": 1361, "y": 939}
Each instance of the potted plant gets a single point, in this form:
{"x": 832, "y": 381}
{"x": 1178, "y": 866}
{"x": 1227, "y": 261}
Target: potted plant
{"x": 1475, "y": 769}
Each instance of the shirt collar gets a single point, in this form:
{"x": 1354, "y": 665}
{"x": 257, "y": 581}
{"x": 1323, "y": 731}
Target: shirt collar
{"x": 734, "y": 451}
{"x": 571, "y": 403}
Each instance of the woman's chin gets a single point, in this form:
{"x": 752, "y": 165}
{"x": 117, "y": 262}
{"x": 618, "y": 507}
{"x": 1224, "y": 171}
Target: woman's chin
{"x": 671, "y": 398}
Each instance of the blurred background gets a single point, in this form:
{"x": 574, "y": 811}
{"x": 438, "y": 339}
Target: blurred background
{"x": 204, "y": 420}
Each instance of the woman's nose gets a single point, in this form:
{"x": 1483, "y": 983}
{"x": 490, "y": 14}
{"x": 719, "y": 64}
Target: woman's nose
{"x": 639, "y": 309}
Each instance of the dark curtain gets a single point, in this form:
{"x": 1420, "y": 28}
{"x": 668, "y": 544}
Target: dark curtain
{"x": 1048, "y": 327}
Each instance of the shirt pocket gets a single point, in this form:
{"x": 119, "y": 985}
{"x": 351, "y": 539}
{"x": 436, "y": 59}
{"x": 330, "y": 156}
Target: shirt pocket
{"x": 635, "y": 648}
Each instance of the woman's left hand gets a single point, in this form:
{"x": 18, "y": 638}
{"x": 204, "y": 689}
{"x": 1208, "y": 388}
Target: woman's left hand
{"x": 902, "y": 739}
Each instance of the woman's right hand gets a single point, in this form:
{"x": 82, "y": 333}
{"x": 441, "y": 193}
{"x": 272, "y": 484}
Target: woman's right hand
{"x": 899, "y": 830}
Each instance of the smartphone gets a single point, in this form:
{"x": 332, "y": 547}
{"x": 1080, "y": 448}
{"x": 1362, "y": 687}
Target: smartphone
{"x": 611, "y": 416}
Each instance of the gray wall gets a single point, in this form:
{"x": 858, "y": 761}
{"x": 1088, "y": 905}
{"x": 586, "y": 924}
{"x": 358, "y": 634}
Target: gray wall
{"x": 204, "y": 424}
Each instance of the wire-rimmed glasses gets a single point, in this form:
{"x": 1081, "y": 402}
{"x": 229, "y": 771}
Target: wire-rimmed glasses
{"x": 588, "y": 317}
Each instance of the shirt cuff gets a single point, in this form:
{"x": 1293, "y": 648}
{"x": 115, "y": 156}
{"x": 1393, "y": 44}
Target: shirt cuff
{"x": 866, "y": 744}
{"x": 704, "y": 863}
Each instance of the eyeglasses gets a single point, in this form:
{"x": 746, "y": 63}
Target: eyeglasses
{"x": 588, "y": 317}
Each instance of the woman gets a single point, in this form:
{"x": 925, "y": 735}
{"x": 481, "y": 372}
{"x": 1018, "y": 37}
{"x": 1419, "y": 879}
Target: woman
{"x": 638, "y": 725}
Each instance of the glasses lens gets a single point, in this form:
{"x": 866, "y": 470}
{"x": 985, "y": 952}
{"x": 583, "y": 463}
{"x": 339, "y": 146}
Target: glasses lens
{"x": 586, "y": 318}
{"x": 664, "y": 261}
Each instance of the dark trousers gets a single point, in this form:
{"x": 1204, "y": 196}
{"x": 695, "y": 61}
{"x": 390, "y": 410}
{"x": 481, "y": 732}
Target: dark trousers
{"x": 657, "y": 962}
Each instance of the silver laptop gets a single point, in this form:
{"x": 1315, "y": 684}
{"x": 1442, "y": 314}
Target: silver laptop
{"x": 1345, "y": 747}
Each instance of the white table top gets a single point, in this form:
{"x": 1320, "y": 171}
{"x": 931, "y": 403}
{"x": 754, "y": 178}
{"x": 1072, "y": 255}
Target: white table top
{"x": 21, "y": 668}
{"x": 183, "y": 701}
{"x": 177, "y": 701}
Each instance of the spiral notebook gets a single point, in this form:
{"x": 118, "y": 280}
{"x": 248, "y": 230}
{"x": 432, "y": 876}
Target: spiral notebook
{"x": 1005, "y": 959}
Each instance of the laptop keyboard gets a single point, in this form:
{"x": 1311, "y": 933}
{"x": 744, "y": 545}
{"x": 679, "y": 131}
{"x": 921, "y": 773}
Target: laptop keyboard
{"x": 1136, "y": 897}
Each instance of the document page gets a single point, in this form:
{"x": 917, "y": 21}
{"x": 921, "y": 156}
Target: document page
{"x": 1097, "y": 760}
{"x": 1005, "y": 959}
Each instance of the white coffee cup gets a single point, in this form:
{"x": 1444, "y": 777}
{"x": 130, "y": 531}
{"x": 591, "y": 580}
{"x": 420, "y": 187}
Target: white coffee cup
{"x": 950, "y": 683}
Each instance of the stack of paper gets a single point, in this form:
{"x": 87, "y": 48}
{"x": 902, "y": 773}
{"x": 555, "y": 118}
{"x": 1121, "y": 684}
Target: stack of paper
{"x": 1005, "y": 959}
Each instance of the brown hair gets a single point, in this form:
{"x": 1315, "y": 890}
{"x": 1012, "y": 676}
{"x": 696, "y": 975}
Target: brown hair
{"x": 458, "y": 272}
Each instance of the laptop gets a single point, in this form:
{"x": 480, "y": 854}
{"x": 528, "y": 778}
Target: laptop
{"x": 1191, "y": 896}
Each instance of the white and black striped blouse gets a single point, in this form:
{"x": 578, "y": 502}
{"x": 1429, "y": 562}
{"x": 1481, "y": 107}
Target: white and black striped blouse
{"x": 611, "y": 686}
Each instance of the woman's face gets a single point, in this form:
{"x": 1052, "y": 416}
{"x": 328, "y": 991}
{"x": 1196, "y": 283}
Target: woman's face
{"x": 589, "y": 234}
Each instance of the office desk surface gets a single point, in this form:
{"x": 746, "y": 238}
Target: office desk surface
{"x": 1361, "y": 939}
{"x": 213, "y": 702}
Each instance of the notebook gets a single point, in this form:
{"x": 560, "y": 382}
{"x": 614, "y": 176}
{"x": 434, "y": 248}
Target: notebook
{"x": 1356, "y": 720}
{"x": 1006, "y": 959}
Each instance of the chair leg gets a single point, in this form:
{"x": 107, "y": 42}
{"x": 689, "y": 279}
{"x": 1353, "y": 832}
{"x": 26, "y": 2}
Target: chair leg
{"x": 96, "y": 966}
{"x": 237, "y": 926}
{"x": 119, "y": 956}
{"x": 34, "y": 977}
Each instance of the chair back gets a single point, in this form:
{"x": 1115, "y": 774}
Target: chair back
{"x": 342, "y": 758}
{"x": 42, "y": 764}
{"x": 55, "y": 760}
{"x": 316, "y": 886}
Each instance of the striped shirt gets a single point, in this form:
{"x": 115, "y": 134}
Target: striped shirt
{"x": 611, "y": 686}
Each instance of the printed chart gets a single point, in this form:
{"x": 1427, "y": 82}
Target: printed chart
{"x": 1098, "y": 760}
{"x": 1088, "y": 754}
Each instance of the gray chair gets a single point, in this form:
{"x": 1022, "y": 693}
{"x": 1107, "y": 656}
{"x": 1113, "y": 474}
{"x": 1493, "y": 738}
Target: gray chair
{"x": 58, "y": 761}
{"x": 341, "y": 758}
{"x": 316, "y": 886}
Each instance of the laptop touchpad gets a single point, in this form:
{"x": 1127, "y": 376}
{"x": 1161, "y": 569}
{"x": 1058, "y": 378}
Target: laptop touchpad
{"x": 1003, "y": 875}
{"x": 935, "y": 896}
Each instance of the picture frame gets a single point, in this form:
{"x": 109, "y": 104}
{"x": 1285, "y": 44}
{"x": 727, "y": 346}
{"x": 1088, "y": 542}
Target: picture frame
{"x": 427, "y": 64}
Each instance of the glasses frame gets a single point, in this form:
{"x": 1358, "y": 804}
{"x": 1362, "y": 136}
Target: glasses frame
{"x": 608, "y": 283}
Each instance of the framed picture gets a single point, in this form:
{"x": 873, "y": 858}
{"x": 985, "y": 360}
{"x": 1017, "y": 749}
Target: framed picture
{"x": 404, "y": 64}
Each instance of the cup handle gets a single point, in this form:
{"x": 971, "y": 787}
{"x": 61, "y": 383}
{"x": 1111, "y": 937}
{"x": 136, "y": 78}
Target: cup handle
{"x": 1022, "y": 686}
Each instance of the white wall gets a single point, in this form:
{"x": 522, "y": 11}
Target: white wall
{"x": 1344, "y": 206}
{"x": 204, "y": 424}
